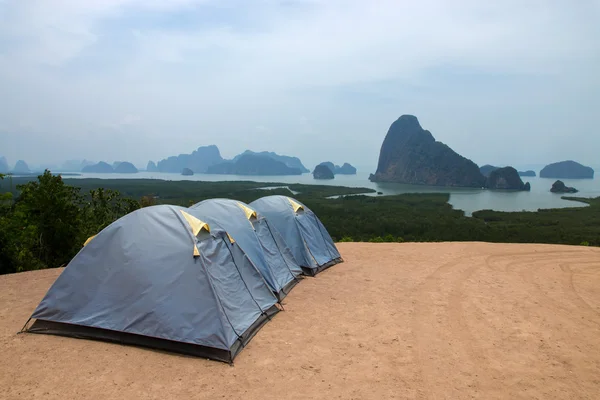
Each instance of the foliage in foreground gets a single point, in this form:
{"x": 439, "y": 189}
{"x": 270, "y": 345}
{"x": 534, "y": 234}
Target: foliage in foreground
{"x": 44, "y": 222}
{"x": 49, "y": 221}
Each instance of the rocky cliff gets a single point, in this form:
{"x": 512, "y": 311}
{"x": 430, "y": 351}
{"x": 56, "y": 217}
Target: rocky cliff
{"x": 506, "y": 178}
{"x": 567, "y": 170}
{"x": 251, "y": 164}
{"x": 410, "y": 154}
{"x": 322, "y": 171}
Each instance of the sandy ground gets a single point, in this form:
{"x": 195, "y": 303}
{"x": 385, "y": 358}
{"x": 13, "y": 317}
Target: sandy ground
{"x": 423, "y": 321}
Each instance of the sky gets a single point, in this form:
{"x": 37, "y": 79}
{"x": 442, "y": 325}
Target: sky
{"x": 510, "y": 82}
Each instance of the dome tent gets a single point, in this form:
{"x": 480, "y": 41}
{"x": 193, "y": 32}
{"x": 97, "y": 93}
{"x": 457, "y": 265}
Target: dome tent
{"x": 303, "y": 232}
{"x": 160, "y": 278}
{"x": 253, "y": 234}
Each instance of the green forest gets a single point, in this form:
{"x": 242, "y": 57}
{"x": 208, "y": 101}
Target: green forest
{"x": 44, "y": 221}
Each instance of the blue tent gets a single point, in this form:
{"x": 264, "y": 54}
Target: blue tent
{"x": 253, "y": 234}
{"x": 161, "y": 278}
{"x": 305, "y": 235}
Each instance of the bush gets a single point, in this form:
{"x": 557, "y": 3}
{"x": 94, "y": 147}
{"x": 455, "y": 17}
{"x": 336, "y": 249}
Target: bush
{"x": 346, "y": 239}
{"x": 389, "y": 238}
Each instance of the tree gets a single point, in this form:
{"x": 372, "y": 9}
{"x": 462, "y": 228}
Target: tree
{"x": 103, "y": 208}
{"x": 48, "y": 213}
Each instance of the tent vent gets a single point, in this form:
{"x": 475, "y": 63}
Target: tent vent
{"x": 195, "y": 223}
{"x": 295, "y": 205}
{"x": 250, "y": 213}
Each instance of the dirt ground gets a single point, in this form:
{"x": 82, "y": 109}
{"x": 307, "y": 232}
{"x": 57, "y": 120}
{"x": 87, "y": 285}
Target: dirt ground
{"x": 414, "y": 321}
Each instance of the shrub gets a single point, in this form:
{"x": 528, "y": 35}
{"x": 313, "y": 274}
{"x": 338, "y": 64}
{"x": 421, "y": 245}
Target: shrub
{"x": 389, "y": 238}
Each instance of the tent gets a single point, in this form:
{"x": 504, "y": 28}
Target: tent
{"x": 160, "y": 278}
{"x": 302, "y": 230}
{"x": 263, "y": 245}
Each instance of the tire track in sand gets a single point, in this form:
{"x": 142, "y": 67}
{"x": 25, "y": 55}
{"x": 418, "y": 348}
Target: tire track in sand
{"x": 571, "y": 288}
{"x": 438, "y": 310}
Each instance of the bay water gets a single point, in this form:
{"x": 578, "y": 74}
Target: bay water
{"x": 467, "y": 199}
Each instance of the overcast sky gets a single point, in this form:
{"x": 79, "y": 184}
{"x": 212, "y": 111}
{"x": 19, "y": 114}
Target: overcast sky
{"x": 505, "y": 82}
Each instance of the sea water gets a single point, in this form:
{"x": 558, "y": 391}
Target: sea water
{"x": 467, "y": 199}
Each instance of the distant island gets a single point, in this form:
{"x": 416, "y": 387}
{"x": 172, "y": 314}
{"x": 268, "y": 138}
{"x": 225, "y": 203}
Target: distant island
{"x": 187, "y": 172}
{"x": 506, "y": 178}
{"x": 528, "y": 173}
{"x": 124, "y": 167}
{"x": 4, "y": 168}
{"x": 74, "y": 165}
{"x": 322, "y": 171}
{"x": 560, "y": 187}
{"x": 292, "y": 162}
{"x": 100, "y": 168}
{"x": 345, "y": 169}
{"x": 567, "y": 170}
{"x": 20, "y": 167}
{"x": 253, "y": 164}
{"x": 410, "y": 154}
{"x": 487, "y": 169}
{"x": 198, "y": 161}
{"x": 151, "y": 167}
{"x": 208, "y": 160}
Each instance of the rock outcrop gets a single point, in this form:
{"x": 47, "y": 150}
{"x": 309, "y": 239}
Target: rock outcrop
{"x": 21, "y": 167}
{"x": 329, "y": 165}
{"x": 100, "y": 168}
{"x": 292, "y": 162}
{"x": 252, "y": 164}
{"x": 151, "y": 167}
{"x": 410, "y": 154}
{"x": 528, "y": 173}
{"x": 125, "y": 167}
{"x": 567, "y": 170}
{"x": 187, "y": 172}
{"x": 345, "y": 169}
{"x": 560, "y": 187}
{"x": 198, "y": 161}
{"x": 322, "y": 171}
{"x": 506, "y": 178}
{"x": 4, "y": 168}
{"x": 487, "y": 169}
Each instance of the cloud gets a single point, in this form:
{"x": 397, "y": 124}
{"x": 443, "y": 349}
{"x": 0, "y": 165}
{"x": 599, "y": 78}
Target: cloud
{"x": 209, "y": 71}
